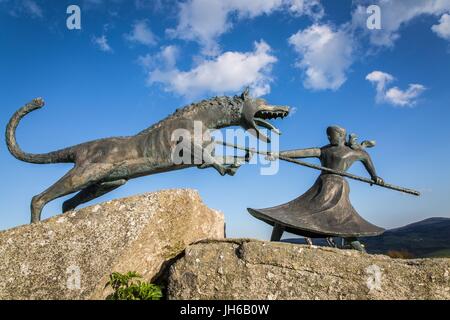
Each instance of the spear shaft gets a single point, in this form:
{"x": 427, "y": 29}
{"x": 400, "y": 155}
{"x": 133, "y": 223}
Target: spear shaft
{"x": 325, "y": 169}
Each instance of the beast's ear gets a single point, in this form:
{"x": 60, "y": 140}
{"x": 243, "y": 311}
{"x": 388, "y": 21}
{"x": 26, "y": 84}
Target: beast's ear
{"x": 246, "y": 93}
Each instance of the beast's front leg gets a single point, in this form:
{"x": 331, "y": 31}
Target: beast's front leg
{"x": 223, "y": 169}
{"x": 231, "y": 164}
{"x": 205, "y": 158}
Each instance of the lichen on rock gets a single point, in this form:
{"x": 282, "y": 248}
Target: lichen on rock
{"x": 252, "y": 269}
{"x": 71, "y": 256}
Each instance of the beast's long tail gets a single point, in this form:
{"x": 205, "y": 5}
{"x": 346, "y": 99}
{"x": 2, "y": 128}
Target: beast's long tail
{"x": 64, "y": 155}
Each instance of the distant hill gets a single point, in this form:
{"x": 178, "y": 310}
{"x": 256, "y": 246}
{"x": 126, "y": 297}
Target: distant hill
{"x": 426, "y": 238}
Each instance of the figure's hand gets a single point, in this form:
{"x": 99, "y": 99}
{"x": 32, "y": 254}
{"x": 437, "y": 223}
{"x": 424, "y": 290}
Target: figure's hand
{"x": 248, "y": 155}
{"x": 227, "y": 169}
{"x": 378, "y": 180}
{"x": 272, "y": 156}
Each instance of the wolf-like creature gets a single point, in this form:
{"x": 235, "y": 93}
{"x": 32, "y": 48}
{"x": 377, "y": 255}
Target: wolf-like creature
{"x": 103, "y": 165}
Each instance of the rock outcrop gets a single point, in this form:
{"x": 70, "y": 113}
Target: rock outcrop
{"x": 70, "y": 256}
{"x": 250, "y": 269}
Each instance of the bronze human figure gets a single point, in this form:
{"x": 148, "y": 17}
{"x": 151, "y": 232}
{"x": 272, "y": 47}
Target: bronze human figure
{"x": 325, "y": 211}
{"x": 103, "y": 165}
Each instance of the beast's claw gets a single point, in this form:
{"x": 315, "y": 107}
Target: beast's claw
{"x": 231, "y": 170}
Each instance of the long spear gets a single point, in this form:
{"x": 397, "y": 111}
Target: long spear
{"x": 317, "y": 167}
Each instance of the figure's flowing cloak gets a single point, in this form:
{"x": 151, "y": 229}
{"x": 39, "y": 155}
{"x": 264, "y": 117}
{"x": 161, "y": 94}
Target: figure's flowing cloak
{"x": 322, "y": 211}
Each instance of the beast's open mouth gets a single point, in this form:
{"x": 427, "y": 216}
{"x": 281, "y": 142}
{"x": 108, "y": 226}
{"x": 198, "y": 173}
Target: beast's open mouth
{"x": 269, "y": 112}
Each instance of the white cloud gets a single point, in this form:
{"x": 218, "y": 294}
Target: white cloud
{"x": 292, "y": 111}
{"x": 380, "y": 79}
{"x": 33, "y": 8}
{"x": 228, "y": 72}
{"x": 394, "y": 95}
{"x": 443, "y": 28}
{"x": 204, "y": 21}
{"x": 102, "y": 43}
{"x": 145, "y": 61}
{"x": 404, "y": 98}
{"x": 165, "y": 60}
{"x": 25, "y": 7}
{"x": 325, "y": 55}
{"x": 142, "y": 34}
{"x": 394, "y": 15}
{"x": 312, "y": 8}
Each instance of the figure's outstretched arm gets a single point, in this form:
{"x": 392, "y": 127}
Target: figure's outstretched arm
{"x": 302, "y": 153}
{"x": 368, "y": 164}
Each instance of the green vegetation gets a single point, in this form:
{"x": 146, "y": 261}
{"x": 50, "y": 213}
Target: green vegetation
{"x": 130, "y": 286}
{"x": 444, "y": 253}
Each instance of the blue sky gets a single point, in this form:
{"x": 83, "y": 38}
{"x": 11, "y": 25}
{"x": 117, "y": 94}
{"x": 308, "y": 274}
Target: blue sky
{"x": 134, "y": 62}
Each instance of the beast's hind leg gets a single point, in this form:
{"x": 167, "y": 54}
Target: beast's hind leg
{"x": 76, "y": 179}
{"x": 90, "y": 193}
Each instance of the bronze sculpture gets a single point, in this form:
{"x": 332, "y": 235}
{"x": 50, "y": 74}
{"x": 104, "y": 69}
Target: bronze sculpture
{"x": 106, "y": 164}
{"x": 325, "y": 211}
